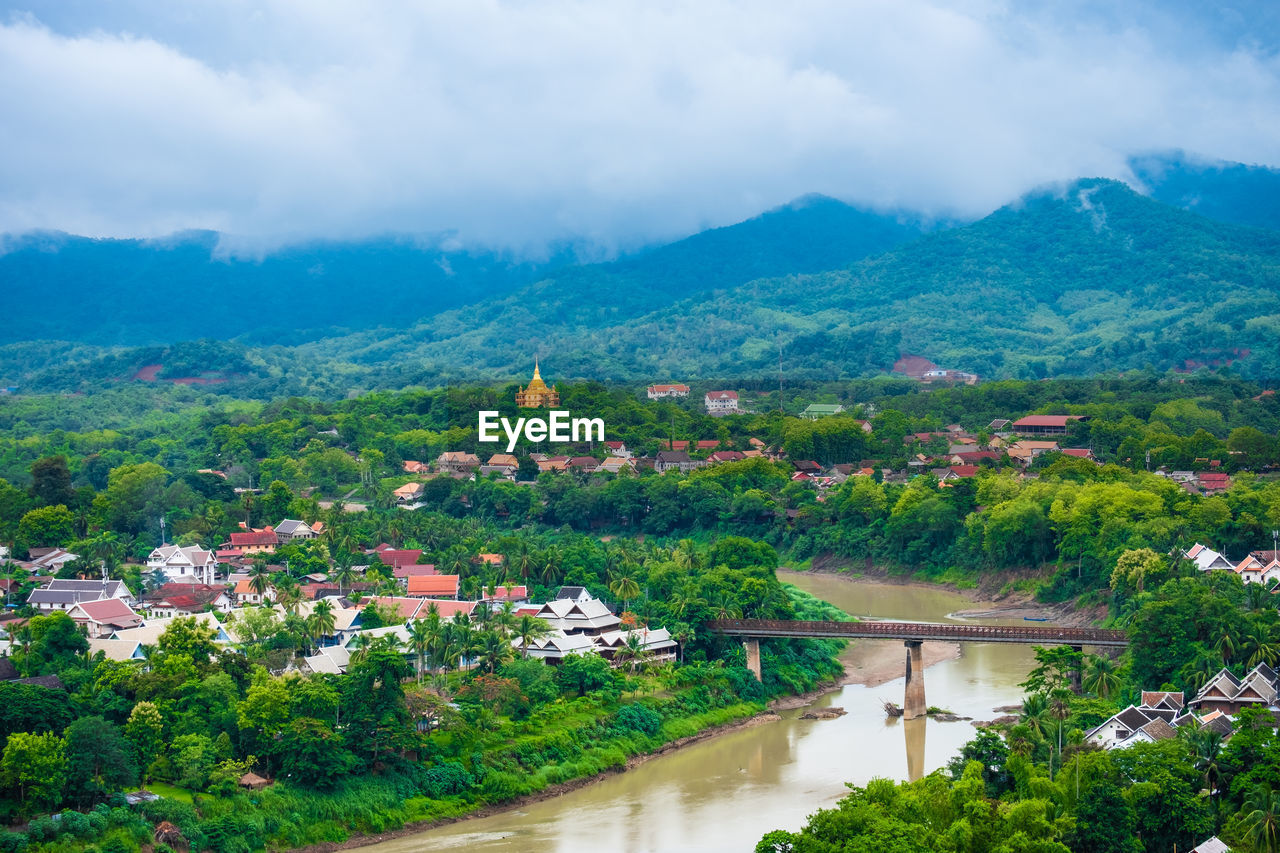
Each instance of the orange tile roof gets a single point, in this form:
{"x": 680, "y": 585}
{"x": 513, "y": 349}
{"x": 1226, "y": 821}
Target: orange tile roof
{"x": 434, "y": 585}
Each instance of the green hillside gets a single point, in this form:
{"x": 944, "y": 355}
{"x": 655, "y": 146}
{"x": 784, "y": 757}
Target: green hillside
{"x": 1092, "y": 277}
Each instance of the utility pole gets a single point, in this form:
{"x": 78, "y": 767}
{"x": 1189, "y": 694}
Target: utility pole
{"x": 162, "y": 531}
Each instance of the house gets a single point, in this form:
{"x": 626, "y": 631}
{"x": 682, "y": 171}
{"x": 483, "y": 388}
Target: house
{"x": 148, "y": 634}
{"x": 505, "y": 593}
{"x": 939, "y": 374}
{"x": 673, "y": 444}
{"x": 64, "y": 594}
{"x": 502, "y": 464}
{"x": 807, "y": 466}
{"x": 413, "y": 466}
{"x": 585, "y": 464}
{"x": 1079, "y": 453}
{"x": 574, "y": 593}
{"x": 615, "y": 465}
{"x": 457, "y": 462}
{"x": 726, "y": 456}
{"x": 405, "y": 608}
{"x": 1119, "y": 728}
{"x": 330, "y": 660}
{"x": 655, "y": 643}
{"x": 1213, "y": 844}
{"x": 659, "y": 392}
{"x": 552, "y": 463}
{"x": 48, "y": 561}
{"x": 556, "y": 646}
{"x": 589, "y": 617}
{"x": 413, "y": 570}
{"x": 1026, "y": 451}
{"x": 397, "y": 558}
{"x": 1155, "y": 730}
{"x": 103, "y": 618}
{"x": 721, "y": 402}
{"x": 433, "y": 586}
{"x": 821, "y": 410}
{"x": 408, "y": 493}
{"x": 244, "y": 593}
{"x": 1212, "y": 482}
{"x": 178, "y": 562}
{"x": 489, "y": 559}
{"x": 673, "y": 460}
{"x": 1228, "y": 694}
{"x": 999, "y": 425}
{"x": 1046, "y": 424}
{"x": 617, "y": 448}
{"x": 1207, "y": 559}
{"x": 292, "y": 530}
{"x": 447, "y": 609}
{"x": 975, "y": 457}
{"x": 1253, "y": 570}
{"x": 262, "y": 541}
{"x": 1166, "y": 704}
{"x": 121, "y": 650}
{"x": 180, "y": 599}
{"x": 706, "y": 445}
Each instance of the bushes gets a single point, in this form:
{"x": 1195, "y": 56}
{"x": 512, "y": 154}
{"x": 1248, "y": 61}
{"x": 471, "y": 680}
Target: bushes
{"x": 638, "y": 718}
{"x": 447, "y": 779}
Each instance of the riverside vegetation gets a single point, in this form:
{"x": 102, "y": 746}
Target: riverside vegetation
{"x": 711, "y": 542}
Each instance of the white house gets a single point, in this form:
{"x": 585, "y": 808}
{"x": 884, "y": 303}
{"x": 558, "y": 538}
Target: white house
{"x": 65, "y": 594}
{"x": 721, "y": 402}
{"x": 658, "y": 392}
{"x": 175, "y": 562}
{"x": 1207, "y": 559}
{"x": 291, "y": 529}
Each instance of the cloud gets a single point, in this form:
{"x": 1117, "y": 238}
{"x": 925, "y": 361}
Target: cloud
{"x": 517, "y": 123}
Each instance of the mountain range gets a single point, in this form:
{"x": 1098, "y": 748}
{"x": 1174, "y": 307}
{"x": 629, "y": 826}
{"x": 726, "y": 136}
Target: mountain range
{"x": 1077, "y": 278}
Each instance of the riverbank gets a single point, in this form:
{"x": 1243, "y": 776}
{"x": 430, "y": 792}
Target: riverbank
{"x": 549, "y": 793}
{"x": 1004, "y": 592}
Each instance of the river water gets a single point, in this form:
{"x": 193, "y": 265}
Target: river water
{"x": 725, "y": 793}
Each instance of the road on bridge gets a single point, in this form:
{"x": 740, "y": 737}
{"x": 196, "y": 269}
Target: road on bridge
{"x": 919, "y": 632}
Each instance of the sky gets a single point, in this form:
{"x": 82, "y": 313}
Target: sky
{"x": 609, "y": 124}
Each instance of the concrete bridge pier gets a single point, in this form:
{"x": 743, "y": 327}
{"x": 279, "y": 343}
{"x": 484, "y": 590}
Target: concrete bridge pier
{"x": 752, "y": 647}
{"x": 913, "y": 702}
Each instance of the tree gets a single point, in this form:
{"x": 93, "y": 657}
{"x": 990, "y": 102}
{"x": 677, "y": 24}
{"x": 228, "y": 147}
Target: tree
{"x": 529, "y": 628}
{"x": 421, "y": 637}
{"x": 34, "y": 766}
{"x": 145, "y": 730}
{"x": 584, "y": 672}
{"x": 1134, "y": 568}
{"x": 51, "y": 481}
{"x": 1262, "y": 818}
{"x": 1101, "y": 677}
{"x": 189, "y": 636}
{"x": 56, "y": 643}
{"x": 624, "y": 587}
{"x": 313, "y": 755}
{"x": 46, "y": 527}
{"x": 1105, "y": 822}
{"x": 99, "y": 760}
{"x": 494, "y": 651}
{"x": 322, "y": 619}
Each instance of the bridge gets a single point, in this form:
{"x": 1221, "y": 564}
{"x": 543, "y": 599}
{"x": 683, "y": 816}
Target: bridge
{"x": 913, "y": 636}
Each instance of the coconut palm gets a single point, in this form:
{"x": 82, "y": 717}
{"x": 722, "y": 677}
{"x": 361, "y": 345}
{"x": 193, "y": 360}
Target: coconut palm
{"x": 529, "y": 628}
{"x": 1206, "y": 745}
{"x": 259, "y": 577}
{"x": 344, "y": 576}
{"x": 495, "y": 650}
{"x": 1257, "y": 597}
{"x": 1226, "y": 645}
{"x": 1264, "y": 650}
{"x": 420, "y": 640}
{"x": 288, "y": 595}
{"x": 1101, "y": 677}
{"x": 1035, "y": 713}
{"x": 624, "y": 587}
{"x": 1262, "y": 818}
{"x": 322, "y": 620}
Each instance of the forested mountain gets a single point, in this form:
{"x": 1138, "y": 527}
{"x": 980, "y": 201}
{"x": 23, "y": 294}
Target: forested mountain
{"x": 1066, "y": 281}
{"x": 60, "y": 287}
{"x": 1089, "y": 277}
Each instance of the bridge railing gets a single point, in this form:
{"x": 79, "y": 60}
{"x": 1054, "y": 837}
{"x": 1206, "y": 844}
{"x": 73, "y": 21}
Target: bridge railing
{"x": 920, "y": 630}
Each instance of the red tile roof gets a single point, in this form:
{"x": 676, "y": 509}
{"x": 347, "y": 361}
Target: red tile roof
{"x": 434, "y": 585}
{"x": 446, "y": 609}
{"x": 965, "y": 470}
{"x": 110, "y": 611}
{"x": 396, "y": 559}
{"x": 255, "y": 537}
{"x": 413, "y": 570}
{"x": 1046, "y": 420}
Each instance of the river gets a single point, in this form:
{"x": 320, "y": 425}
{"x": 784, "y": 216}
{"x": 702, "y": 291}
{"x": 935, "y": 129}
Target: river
{"x": 725, "y": 793}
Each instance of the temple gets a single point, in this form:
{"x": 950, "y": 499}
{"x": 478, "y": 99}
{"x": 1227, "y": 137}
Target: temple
{"x": 536, "y": 394}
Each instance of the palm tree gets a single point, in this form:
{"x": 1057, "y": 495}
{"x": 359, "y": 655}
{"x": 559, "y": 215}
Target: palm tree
{"x": 420, "y": 639}
{"x": 344, "y": 576}
{"x": 632, "y": 651}
{"x": 1257, "y": 597}
{"x": 1060, "y": 710}
{"x": 288, "y": 595}
{"x": 322, "y": 619}
{"x": 495, "y": 650}
{"x": 1206, "y": 745}
{"x": 525, "y": 562}
{"x": 1035, "y": 713}
{"x": 550, "y": 560}
{"x": 529, "y": 628}
{"x": 625, "y": 587}
{"x": 1226, "y": 645}
{"x": 259, "y": 577}
{"x": 1262, "y": 818}
{"x": 1101, "y": 677}
{"x": 1264, "y": 650}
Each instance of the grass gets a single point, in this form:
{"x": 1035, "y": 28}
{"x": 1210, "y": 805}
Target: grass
{"x": 172, "y": 792}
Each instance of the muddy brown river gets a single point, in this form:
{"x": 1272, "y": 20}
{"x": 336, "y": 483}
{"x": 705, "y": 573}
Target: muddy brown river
{"x": 725, "y": 793}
